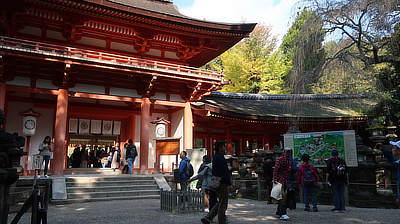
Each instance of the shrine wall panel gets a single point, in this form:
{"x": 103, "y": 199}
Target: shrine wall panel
{"x": 123, "y": 47}
{"x": 45, "y": 84}
{"x": 55, "y": 35}
{"x": 124, "y": 92}
{"x": 31, "y": 30}
{"x": 20, "y": 81}
{"x": 88, "y": 89}
{"x": 176, "y": 98}
{"x": 92, "y": 42}
{"x": 154, "y": 52}
{"x": 159, "y": 96}
{"x": 172, "y": 55}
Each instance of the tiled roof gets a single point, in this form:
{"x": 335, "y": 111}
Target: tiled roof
{"x": 288, "y": 105}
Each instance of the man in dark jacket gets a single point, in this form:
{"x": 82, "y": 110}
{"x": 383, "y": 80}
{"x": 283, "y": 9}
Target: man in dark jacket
{"x": 182, "y": 170}
{"x": 220, "y": 169}
{"x": 268, "y": 168}
{"x": 337, "y": 177}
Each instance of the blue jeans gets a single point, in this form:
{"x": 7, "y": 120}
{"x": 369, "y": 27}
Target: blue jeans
{"x": 309, "y": 190}
{"x": 339, "y": 198}
{"x": 130, "y": 161}
{"x": 46, "y": 160}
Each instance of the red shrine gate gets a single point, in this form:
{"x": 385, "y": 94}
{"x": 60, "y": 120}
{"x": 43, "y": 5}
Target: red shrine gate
{"x": 102, "y": 70}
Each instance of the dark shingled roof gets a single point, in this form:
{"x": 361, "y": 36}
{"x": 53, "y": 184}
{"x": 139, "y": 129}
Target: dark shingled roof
{"x": 163, "y": 7}
{"x": 288, "y": 105}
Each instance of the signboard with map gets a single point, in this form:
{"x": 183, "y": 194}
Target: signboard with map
{"x": 319, "y": 146}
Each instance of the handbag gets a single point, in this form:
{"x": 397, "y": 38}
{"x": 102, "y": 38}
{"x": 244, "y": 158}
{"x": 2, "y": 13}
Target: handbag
{"x": 276, "y": 191}
{"x": 122, "y": 163}
{"x": 215, "y": 182}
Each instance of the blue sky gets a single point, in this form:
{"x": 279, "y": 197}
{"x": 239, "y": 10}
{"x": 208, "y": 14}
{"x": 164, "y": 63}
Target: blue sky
{"x": 277, "y": 13}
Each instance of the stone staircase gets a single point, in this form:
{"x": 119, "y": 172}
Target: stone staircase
{"x": 86, "y": 185}
{"x": 123, "y": 187}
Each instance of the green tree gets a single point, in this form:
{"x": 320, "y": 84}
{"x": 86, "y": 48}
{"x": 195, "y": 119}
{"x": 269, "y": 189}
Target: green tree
{"x": 365, "y": 58}
{"x": 302, "y": 44}
{"x": 251, "y": 66}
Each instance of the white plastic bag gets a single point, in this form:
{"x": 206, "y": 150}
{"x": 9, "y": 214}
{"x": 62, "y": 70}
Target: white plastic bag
{"x": 276, "y": 191}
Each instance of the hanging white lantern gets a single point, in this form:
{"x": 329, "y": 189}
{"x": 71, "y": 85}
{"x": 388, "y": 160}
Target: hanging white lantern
{"x": 29, "y": 125}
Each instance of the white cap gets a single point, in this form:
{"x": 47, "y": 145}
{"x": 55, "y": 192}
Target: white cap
{"x": 287, "y": 149}
{"x": 395, "y": 143}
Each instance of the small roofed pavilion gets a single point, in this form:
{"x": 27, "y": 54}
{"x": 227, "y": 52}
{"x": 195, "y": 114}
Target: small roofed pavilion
{"x": 259, "y": 120}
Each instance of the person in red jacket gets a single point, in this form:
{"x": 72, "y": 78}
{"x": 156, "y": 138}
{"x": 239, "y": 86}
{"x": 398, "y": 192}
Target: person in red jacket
{"x": 308, "y": 180}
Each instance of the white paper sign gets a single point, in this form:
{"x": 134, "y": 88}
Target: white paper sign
{"x": 37, "y": 162}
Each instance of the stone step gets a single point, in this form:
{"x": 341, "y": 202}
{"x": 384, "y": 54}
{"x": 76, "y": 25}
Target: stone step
{"x": 109, "y": 189}
{"x": 109, "y": 183}
{"x": 112, "y": 194}
{"x": 82, "y": 200}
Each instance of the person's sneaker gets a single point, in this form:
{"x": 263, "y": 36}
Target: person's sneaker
{"x": 38, "y": 176}
{"x": 315, "y": 210}
{"x": 338, "y": 211}
{"x": 342, "y": 211}
{"x": 205, "y": 220}
{"x": 334, "y": 209}
{"x": 284, "y": 217}
{"x": 45, "y": 176}
{"x": 307, "y": 209}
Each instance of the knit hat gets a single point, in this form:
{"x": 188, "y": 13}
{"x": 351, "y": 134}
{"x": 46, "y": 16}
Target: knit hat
{"x": 395, "y": 143}
{"x": 335, "y": 152}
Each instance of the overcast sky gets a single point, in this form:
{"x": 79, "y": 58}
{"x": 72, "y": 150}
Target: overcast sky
{"x": 277, "y": 13}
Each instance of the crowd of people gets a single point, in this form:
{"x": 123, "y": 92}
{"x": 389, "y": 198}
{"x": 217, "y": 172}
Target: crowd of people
{"x": 109, "y": 157}
{"x": 215, "y": 178}
{"x": 279, "y": 173}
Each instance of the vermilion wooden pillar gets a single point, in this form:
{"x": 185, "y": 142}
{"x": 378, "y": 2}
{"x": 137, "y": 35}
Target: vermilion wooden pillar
{"x": 2, "y": 95}
{"x": 229, "y": 139}
{"x": 187, "y": 127}
{"x": 59, "y": 132}
{"x": 144, "y": 135}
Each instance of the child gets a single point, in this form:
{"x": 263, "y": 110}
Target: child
{"x": 308, "y": 180}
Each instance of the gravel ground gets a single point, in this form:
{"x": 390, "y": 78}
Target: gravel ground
{"x": 239, "y": 211}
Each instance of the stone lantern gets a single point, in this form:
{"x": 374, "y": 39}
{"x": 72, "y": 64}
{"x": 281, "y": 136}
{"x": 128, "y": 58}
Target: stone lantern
{"x": 391, "y": 135}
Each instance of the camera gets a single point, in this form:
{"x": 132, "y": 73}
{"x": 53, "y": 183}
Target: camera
{"x": 378, "y": 146}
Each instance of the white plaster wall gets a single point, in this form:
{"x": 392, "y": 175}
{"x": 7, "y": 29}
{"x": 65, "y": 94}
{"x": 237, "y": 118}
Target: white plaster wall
{"x": 177, "y": 127}
{"x": 44, "y": 127}
{"x": 152, "y": 141}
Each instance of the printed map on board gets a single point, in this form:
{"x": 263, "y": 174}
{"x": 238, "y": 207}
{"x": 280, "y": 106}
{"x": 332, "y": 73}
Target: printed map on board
{"x": 318, "y": 145}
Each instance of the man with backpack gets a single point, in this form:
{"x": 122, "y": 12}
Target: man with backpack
{"x": 184, "y": 170}
{"x": 308, "y": 177}
{"x": 337, "y": 177}
{"x": 131, "y": 154}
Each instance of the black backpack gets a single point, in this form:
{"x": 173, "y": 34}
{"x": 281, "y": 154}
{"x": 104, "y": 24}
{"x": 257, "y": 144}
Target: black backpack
{"x": 189, "y": 169}
{"x": 131, "y": 151}
{"x": 339, "y": 168}
{"x": 308, "y": 178}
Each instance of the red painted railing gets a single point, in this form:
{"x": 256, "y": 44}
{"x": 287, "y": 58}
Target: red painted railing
{"x": 27, "y": 46}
